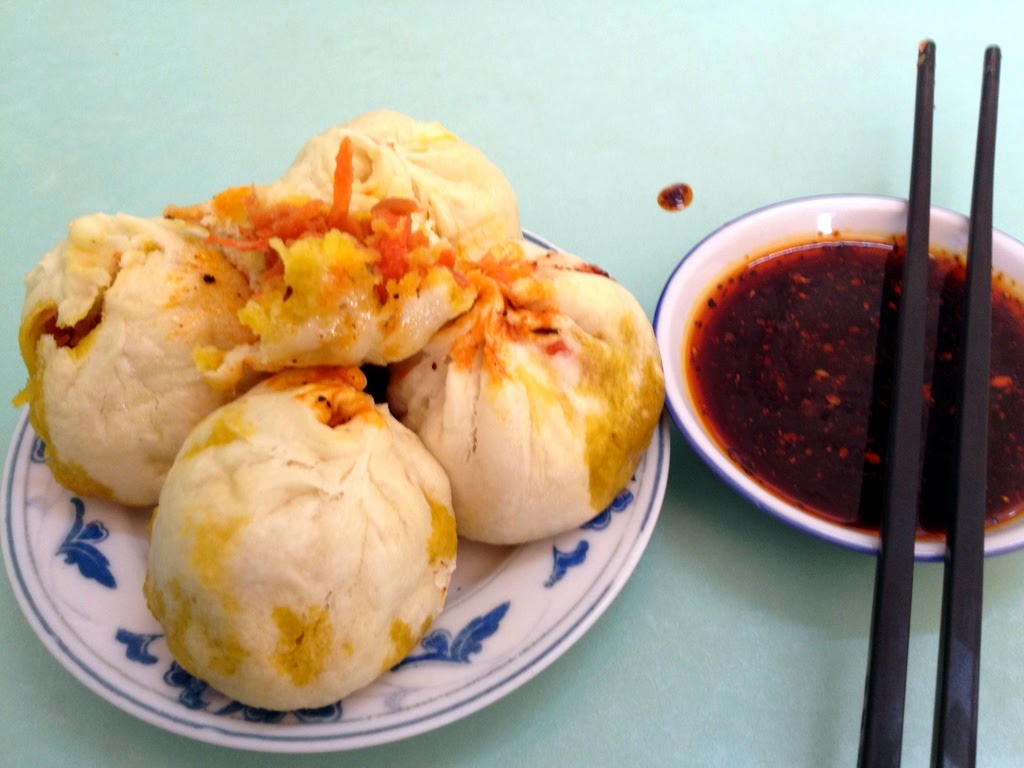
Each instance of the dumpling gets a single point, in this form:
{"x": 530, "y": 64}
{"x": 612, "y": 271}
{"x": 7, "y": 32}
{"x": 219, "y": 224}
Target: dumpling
{"x": 464, "y": 197}
{"x": 112, "y": 318}
{"x": 540, "y": 401}
{"x": 333, "y": 283}
{"x": 303, "y": 543}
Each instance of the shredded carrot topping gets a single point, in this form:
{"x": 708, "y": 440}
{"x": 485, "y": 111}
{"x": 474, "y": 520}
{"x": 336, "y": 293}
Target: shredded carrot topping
{"x": 344, "y": 175}
{"x": 239, "y": 244}
{"x": 249, "y": 224}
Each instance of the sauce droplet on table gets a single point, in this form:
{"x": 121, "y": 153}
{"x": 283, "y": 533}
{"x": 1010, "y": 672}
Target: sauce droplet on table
{"x": 675, "y": 197}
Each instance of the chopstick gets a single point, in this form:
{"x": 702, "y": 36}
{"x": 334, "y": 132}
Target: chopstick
{"x": 885, "y": 691}
{"x": 956, "y": 704}
{"x": 954, "y": 741}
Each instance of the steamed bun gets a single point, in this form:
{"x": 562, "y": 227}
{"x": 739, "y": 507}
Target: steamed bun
{"x": 111, "y": 320}
{"x": 355, "y": 255}
{"x": 466, "y": 198}
{"x": 303, "y": 543}
{"x": 540, "y": 401}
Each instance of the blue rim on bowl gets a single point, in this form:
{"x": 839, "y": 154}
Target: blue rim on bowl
{"x": 783, "y": 223}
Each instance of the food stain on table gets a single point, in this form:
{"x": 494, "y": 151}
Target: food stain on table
{"x": 675, "y": 197}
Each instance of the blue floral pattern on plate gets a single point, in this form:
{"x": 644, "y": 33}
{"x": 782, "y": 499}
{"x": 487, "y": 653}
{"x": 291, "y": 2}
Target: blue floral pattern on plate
{"x": 564, "y": 560}
{"x": 619, "y": 504}
{"x": 79, "y": 547}
{"x": 137, "y": 645}
{"x": 197, "y": 695}
{"x": 438, "y": 644}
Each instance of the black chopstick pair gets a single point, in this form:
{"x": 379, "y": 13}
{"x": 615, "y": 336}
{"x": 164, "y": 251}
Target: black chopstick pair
{"x": 956, "y": 702}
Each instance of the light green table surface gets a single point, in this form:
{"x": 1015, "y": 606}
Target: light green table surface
{"x": 738, "y": 641}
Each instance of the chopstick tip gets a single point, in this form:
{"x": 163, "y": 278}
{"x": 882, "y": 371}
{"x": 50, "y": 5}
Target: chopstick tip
{"x": 992, "y": 56}
{"x": 926, "y": 53}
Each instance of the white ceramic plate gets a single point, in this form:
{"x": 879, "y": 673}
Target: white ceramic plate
{"x": 76, "y": 566}
{"x": 808, "y": 219}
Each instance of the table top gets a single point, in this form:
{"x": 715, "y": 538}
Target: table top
{"x": 738, "y": 640}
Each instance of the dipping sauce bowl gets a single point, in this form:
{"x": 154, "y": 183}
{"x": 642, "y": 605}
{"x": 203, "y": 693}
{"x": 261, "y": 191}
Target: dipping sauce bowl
{"x": 776, "y": 332}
